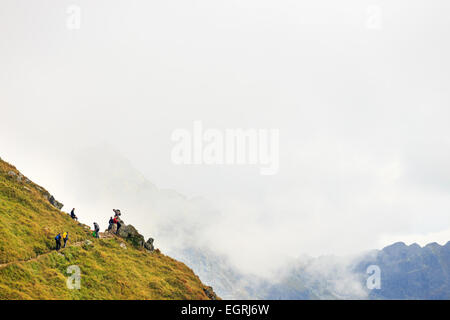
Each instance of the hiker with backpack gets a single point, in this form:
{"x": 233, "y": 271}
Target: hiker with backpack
{"x": 65, "y": 238}
{"x": 117, "y": 212}
{"x": 72, "y": 214}
{"x": 58, "y": 241}
{"x": 97, "y": 229}
{"x": 111, "y": 223}
{"x": 116, "y": 221}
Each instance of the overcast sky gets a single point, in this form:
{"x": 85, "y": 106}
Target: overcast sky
{"x": 359, "y": 91}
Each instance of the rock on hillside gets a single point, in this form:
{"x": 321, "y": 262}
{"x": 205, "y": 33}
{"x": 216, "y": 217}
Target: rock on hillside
{"x": 20, "y": 178}
{"x": 130, "y": 233}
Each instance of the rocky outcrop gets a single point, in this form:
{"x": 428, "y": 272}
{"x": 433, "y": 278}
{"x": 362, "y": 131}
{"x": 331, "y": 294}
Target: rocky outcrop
{"x": 21, "y": 178}
{"x": 58, "y": 205}
{"x": 129, "y": 233}
{"x": 210, "y": 293}
{"x": 132, "y": 235}
{"x": 148, "y": 245}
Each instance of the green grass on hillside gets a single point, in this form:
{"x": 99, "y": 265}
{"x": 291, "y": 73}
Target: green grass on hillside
{"x": 28, "y": 222}
{"x": 28, "y": 225}
{"x": 108, "y": 271}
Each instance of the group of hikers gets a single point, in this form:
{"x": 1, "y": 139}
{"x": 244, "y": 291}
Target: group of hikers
{"x": 112, "y": 222}
{"x": 58, "y": 238}
{"x": 115, "y": 220}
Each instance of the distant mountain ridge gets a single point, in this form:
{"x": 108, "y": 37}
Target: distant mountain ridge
{"x": 406, "y": 272}
{"x": 411, "y": 272}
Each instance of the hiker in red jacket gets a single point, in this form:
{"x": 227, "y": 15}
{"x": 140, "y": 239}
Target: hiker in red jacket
{"x": 116, "y": 221}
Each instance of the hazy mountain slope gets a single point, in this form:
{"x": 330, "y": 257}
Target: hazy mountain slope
{"x": 411, "y": 272}
{"x": 304, "y": 279}
{"x": 31, "y": 269}
{"x": 212, "y": 268}
{"x": 407, "y": 272}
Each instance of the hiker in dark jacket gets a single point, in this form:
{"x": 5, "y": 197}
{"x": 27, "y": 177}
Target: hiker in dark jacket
{"x": 97, "y": 229}
{"x": 58, "y": 241}
{"x": 65, "y": 238}
{"x": 72, "y": 214}
{"x": 111, "y": 223}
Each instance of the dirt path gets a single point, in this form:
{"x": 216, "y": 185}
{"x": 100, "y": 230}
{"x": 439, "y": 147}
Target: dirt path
{"x": 75, "y": 244}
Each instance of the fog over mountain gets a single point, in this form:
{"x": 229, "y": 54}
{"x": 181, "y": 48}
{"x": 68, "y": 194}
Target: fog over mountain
{"x": 361, "y": 108}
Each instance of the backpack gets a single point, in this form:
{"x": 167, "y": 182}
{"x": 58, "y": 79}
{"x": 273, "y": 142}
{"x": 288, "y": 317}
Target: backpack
{"x": 58, "y": 237}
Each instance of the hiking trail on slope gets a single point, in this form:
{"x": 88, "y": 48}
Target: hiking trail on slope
{"x": 75, "y": 244}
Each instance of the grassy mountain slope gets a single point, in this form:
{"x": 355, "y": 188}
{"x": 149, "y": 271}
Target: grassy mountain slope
{"x": 31, "y": 269}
